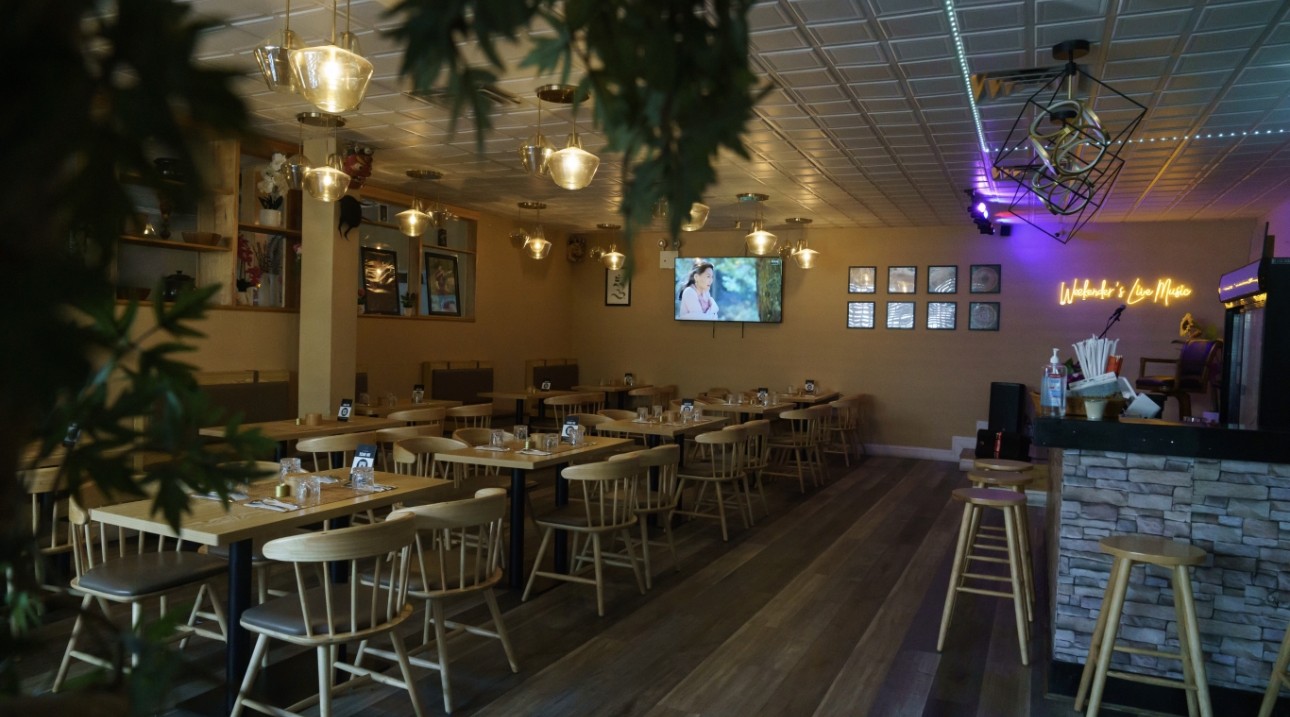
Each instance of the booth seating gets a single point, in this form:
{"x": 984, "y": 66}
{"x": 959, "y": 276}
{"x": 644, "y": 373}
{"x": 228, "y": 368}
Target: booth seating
{"x": 257, "y": 395}
{"x": 457, "y": 380}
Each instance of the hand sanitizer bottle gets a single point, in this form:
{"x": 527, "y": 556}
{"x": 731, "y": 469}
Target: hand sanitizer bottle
{"x": 1052, "y": 391}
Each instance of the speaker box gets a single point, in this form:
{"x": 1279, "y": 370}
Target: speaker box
{"x": 1008, "y": 407}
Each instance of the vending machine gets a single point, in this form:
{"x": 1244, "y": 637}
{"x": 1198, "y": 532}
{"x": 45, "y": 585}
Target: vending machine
{"x": 1256, "y": 327}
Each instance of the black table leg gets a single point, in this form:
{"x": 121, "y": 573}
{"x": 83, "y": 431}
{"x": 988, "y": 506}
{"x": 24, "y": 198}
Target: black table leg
{"x": 515, "y": 561}
{"x": 561, "y": 537}
{"x": 239, "y": 640}
{"x": 519, "y": 411}
{"x": 279, "y": 450}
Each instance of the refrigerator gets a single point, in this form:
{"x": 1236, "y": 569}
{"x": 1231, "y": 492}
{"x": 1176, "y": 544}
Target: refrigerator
{"x": 1255, "y": 391}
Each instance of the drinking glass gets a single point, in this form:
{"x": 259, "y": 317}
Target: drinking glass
{"x": 288, "y": 467}
{"x": 521, "y": 433}
{"x": 362, "y": 478}
{"x": 642, "y": 414}
{"x": 418, "y": 395}
{"x": 550, "y": 441}
{"x": 497, "y": 439}
{"x": 658, "y": 412}
{"x": 792, "y": 390}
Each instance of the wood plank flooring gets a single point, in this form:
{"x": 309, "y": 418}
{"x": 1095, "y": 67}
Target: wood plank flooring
{"x": 828, "y": 607}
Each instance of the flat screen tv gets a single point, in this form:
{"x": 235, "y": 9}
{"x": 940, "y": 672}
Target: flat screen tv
{"x": 729, "y": 288}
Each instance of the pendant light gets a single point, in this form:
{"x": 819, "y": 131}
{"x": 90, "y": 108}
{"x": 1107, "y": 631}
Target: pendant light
{"x": 803, "y": 254}
{"x": 298, "y": 165}
{"x": 759, "y": 241}
{"x": 274, "y": 57}
{"x": 330, "y": 76}
{"x": 698, "y": 217}
{"x": 572, "y": 167}
{"x": 535, "y": 153}
{"x": 535, "y": 242}
{"x": 328, "y": 182}
{"x": 611, "y": 258}
{"x": 413, "y": 221}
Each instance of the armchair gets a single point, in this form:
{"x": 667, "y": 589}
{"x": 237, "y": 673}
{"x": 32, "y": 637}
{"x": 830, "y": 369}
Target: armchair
{"x": 1192, "y": 373}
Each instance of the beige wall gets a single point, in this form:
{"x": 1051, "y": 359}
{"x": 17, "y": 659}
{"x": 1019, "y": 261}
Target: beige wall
{"x": 926, "y": 386}
{"x": 239, "y": 339}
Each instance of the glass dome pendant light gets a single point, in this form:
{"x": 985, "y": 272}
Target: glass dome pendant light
{"x": 328, "y": 182}
{"x": 535, "y": 242}
{"x": 332, "y": 77}
{"x": 413, "y": 221}
{"x": 274, "y": 57}
{"x": 611, "y": 257}
{"x": 573, "y": 167}
{"x": 803, "y": 254}
{"x": 759, "y": 241}
{"x": 698, "y": 217}
{"x": 537, "y": 151}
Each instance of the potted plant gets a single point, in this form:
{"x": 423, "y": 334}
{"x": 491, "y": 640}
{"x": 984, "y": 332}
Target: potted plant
{"x": 409, "y": 302}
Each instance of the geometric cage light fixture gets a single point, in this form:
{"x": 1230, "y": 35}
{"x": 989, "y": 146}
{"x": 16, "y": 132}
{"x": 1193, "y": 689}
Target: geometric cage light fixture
{"x": 1060, "y": 153}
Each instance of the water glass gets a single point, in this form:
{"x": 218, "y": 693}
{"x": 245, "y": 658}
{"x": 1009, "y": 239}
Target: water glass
{"x": 576, "y": 436}
{"x": 642, "y": 414}
{"x": 418, "y": 395}
{"x": 362, "y": 478}
{"x": 550, "y": 441}
{"x": 497, "y": 439}
{"x": 792, "y": 390}
{"x": 658, "y": 412}
{"x": 521, "y": 432}
{"x": 288, "y": 467}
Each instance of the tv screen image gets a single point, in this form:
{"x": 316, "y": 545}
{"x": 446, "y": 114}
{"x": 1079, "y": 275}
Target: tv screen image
{"x": 729, "y": 288}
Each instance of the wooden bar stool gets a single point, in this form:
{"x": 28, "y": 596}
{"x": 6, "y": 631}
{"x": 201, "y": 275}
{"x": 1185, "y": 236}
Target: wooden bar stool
{"x": 1015, "y": 482}
{"x": 1177, "y": 556}
{"x": 1279, "y": 677}
{"x": 1012, "y": 505}
{"x": 1002, "y": 464}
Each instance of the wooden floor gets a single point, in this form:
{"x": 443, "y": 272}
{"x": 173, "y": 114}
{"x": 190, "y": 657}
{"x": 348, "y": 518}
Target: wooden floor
{"x": 830, "y": 606}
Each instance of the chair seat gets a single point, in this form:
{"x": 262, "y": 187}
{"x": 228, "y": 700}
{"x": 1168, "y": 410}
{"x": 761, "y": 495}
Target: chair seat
{"x": 283, "y": 615}
{"x": 139, "y": 575}
{"x": 569, "y": 516}
{"x": 1162, "y": 383}
{"x": 701, "y": 470}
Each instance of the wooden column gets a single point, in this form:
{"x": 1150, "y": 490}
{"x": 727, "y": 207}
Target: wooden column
{"x": 328, "y": 300}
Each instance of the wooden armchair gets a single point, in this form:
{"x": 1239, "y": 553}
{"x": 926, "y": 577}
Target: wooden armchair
{"x": 1192, "y": 373}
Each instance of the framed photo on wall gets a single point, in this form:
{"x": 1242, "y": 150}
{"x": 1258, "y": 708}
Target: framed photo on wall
{"x": 986, "y": 279}
{"x": 900, "y": 314}
{"x": 442, "y": 284}
{"x": 942, "y": 315}
{"x": 380, "y": 281}
{"x": 983, "y": 316}
{"x": 862, "y": 280}
{"x": 902, "y": 280}
{"x": 618, "y": 288}
{"x": 860, "y": 314}
{"x": 942, "y": 280}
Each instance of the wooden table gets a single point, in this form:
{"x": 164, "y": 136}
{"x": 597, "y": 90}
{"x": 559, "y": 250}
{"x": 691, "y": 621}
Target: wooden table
{"x": 521, "y": 397}
{"x": 239, "y": 526}
{"x": 518, "y": 463}
{"x": 403, "y": 404}
{"x": 290, "y": 430}
{"x": 655, "y": 430}
{"x": 744, "y": 410}
{"x": 810, "y": 399}
{"x": 619, "y": 390}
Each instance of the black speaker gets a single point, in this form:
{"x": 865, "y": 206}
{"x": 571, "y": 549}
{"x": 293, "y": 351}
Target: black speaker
{"x": 1007, "y": 407}
{"x": 1005, "y": 230}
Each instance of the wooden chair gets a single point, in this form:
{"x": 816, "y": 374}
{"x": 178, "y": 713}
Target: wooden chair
{"x": 1192, "y": 373}
{"x": 794, "y": 447}
{"x": 656, "y": 498}
{"x": 321, "y": 449}
{"x": 386, "y": 438}
{"x": 606, "y": 507}
{"x": 458, "y": 555}
{"x": 490, "y": 477}
{"x": 842, "y": 431}
{"x": 823, "y": 414}
{"x": 1280, "y": 677}
{"x": 324, "y": 614}
{"x": 49, "y": 524}
{"x": 479, "y": 436}
{"x": 561, "y": 406}
{"x": 617, "y": 414}
{"x": 724, "y": 468}
{"x": 590, "y": 420}
{"x": 114, "y": 565}
{"x": 647, "y": 397}
{"x": 421, "y": 416}
{"x": 757, "y": 457}
{"x": 475, "y": 415}
{"x": 260, "y": 565}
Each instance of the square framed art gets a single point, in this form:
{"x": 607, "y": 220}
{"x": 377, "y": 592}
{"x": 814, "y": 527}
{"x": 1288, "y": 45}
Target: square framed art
{"x": 860, "y": 314}
{"x": 862, "y": 280}
{"x": 983, "y": 316}
{"x": 902, "y": 279}
{"x": 986, "y": 279}
{"x": 943, "y": 279}
{"x": 942, "y": 315}
{"x": 900, "y": 314}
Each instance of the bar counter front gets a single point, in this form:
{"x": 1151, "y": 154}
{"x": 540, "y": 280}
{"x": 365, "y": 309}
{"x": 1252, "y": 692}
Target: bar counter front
{"x": 1225, "y": 490}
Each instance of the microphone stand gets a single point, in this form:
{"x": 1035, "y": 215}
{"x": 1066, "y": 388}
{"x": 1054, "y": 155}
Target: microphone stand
{"x": 1115, "y": 316}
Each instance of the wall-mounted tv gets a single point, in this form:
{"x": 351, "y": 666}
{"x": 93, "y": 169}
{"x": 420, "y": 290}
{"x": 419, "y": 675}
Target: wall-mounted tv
{"x": 729, "y": 288}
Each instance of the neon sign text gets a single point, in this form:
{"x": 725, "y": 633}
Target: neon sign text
{"x": 1162, "y": 292}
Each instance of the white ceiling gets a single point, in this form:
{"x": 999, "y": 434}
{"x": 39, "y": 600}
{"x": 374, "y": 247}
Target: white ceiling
{"x": 870, "y": 124}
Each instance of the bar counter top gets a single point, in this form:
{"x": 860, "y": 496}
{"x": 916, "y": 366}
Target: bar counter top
{"x": 1164, "y": 438}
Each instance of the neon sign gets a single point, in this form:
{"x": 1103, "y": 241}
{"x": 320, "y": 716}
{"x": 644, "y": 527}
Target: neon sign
{"x": 1164, "y": 291}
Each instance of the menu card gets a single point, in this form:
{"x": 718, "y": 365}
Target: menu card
{"x": 566, "y": 431}
{"x": 762, "y": 394}
{"x": 629, "y": 379}
{"x": 346, "y": 405}
{"x": 546, "y": 385}
{"x": 73, "y": 435}
{"x": 808, "y": 388}
{"x": 364, "y": 456}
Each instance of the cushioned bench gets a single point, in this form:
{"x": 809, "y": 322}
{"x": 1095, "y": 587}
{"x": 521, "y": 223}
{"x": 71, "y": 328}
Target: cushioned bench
{"x": 457, "y": 380}
{"x": 257, "y": 395}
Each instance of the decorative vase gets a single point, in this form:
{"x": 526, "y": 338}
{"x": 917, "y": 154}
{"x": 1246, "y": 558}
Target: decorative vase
{"x": 270, "y": 217}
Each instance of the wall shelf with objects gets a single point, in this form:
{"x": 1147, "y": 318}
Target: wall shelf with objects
{"x": 266, "y": 271}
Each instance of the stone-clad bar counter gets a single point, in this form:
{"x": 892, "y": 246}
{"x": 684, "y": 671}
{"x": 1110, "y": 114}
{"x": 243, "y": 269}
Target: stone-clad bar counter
{"x": 1226, "y": 491}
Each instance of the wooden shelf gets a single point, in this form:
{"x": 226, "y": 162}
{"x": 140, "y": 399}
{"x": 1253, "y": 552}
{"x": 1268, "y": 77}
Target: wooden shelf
{"x": 261, "y": 229}
{"x": 170, "y": 244}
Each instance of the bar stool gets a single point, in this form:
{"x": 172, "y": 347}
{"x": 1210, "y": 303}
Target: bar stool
{"x": 1152, "y": 550}
{"x": 1012, "y": 505}
{"x": 1015, "y": 482}
{"x": 1002, "y": 464}
{"x": 1279, "y": 677}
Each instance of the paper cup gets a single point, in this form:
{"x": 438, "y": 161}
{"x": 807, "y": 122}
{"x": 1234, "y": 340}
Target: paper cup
{"x": 1095, "y": 408}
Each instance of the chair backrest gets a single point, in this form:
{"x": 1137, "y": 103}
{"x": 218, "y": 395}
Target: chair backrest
{"x": 420, "y": 416}
{"x": 846, "y": 413}
{"x": 416, "y": 456}
{"x": 608, "y": 491}
{"x": 1195, "y": 361}
{"x": 43, "y": 486}
{"x": 478, "y": 436}
{"x": 727, "y": 451}
{"x": 374, "y": 560}
{"x": 758, "y": 447}
{"x": 475, "y": 415}
{"x": 562, "y": 406}
{"x": 387, "y": 436}
{"x": 458, "y": 544}
{"x": 617, "y": 414}
{"x": 663, "y": 494}
{"x": 589, "y": 420}
{"x": 322, "y": 447}
{"x": 803, "y": 424}
{"x": 94, "y": 543}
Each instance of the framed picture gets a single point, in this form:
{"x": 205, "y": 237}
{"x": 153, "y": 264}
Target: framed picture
{"x": 618, "y": 288}
{"x": 900, "y": 314}
{"x": 860, "y": 314}
{"x": 442, "y": 284}
{"x": 985, "y": 279}
{"x": 983, "y": 316}
{"x": 942, "y": 280}
{"x": 380, "y": 281}
{"x": 862, "y": 280}
{"x": 942, "y": 315}
{"x": 902, "y": 280}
